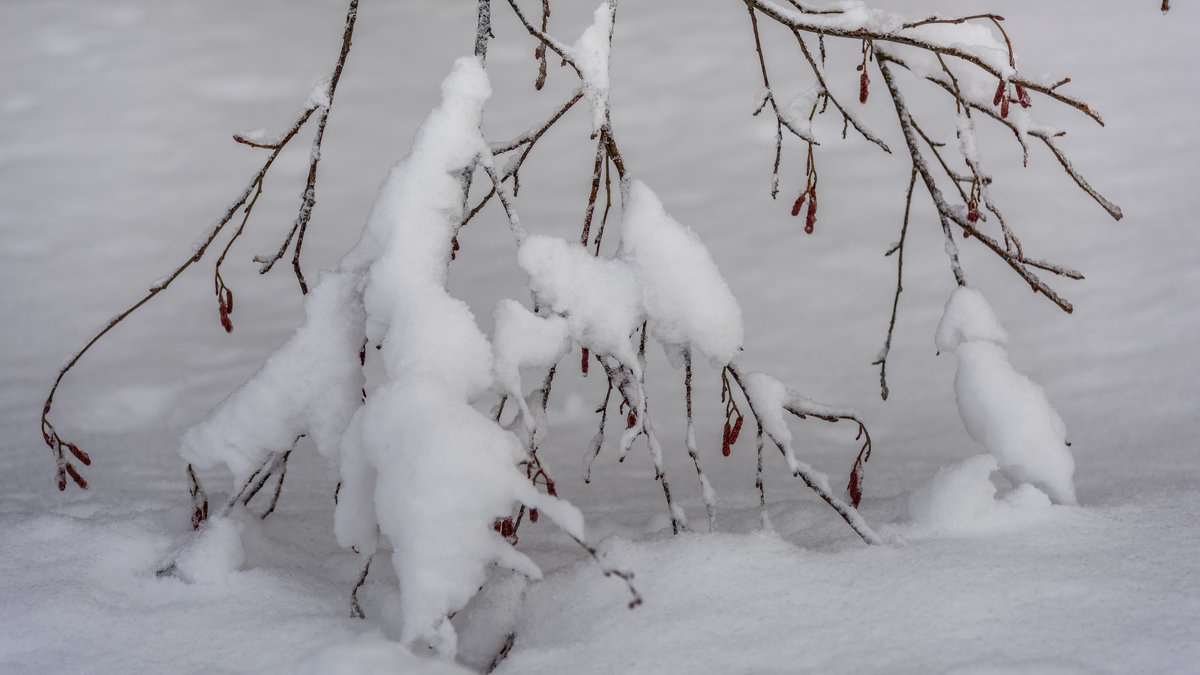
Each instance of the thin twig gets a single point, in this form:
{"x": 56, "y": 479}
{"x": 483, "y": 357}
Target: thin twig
{"x": 309, "y": 196}
{"x": 899, "y": 250}
{"x": 795, "y": 23}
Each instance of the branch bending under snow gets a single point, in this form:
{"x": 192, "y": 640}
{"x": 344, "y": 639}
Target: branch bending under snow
{"x": 816, "y": 481}
{"x": 246, "y": 199}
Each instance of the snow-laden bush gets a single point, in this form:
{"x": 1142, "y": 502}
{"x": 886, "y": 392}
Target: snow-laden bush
{"x": 422, "y": 470}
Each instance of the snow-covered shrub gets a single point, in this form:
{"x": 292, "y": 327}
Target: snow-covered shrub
{"x": 423, "y": 471}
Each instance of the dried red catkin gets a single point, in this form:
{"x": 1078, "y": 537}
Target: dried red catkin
{"x": 1023, "y": 97}
{"x": 863, "y": 82}
{"x": 737, "y": 429}
{"x": 811, "y": 219}
{"x": 795, "y": 212}
{"x": 999, "y": 93}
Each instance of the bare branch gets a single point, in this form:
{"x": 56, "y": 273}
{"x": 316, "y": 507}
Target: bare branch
{"x": 795, "y": 22}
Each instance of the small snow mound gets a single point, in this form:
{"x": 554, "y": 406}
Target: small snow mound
{"x": 214, "y": 554}
{"x": 968, "y": 317}
{"x": 962, "y": 498}
{"x": 957, "y": 494}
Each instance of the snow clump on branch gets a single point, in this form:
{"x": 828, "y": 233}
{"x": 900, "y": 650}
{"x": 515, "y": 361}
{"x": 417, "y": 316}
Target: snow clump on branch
{"x": 1002, "y": 409}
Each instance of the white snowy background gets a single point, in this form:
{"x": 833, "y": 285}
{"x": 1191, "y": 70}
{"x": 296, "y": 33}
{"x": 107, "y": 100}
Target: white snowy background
{"x": 115, "y": 154}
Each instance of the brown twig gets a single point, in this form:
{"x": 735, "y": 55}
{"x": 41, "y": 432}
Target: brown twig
{"x": 899, "y": 250}
{"x": 309, "y": 197}
{"x": 794, "y": 23}
{"x": 806, "y": 474}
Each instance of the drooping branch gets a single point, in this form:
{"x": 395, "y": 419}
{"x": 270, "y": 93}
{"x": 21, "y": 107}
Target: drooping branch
{"x": 770, "y": 422}
{"x": 910, "y": 37}
{"x": 898, "y": 249}
{"x": 946, "y": 214}
{"x": 321, "y": 101}
{"x": 319, "y": 104}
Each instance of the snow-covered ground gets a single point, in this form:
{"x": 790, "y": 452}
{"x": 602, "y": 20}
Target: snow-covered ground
{"x": 115, "y": 154}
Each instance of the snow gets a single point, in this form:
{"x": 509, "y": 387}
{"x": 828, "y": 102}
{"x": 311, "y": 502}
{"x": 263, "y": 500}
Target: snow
{"x": 599, "y": 297}
{"x": 443, "y": 472}
{"x": 310, "y": 385}
{"x": 688, "y": 303}
{"x": 591, "y": 55}
{"x": 1002, "y": 409}
{"x": 214, "y": 554}
{"x": 962, "y": 499}
{"x": 116, "y": 152}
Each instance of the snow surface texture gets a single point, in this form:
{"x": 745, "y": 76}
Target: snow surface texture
{"x": 95, "y": 205}
{"x": 1003, "y": 410}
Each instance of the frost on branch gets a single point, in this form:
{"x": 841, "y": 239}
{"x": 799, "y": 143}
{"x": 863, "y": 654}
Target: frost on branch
{"x": 1002, "y": 409}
